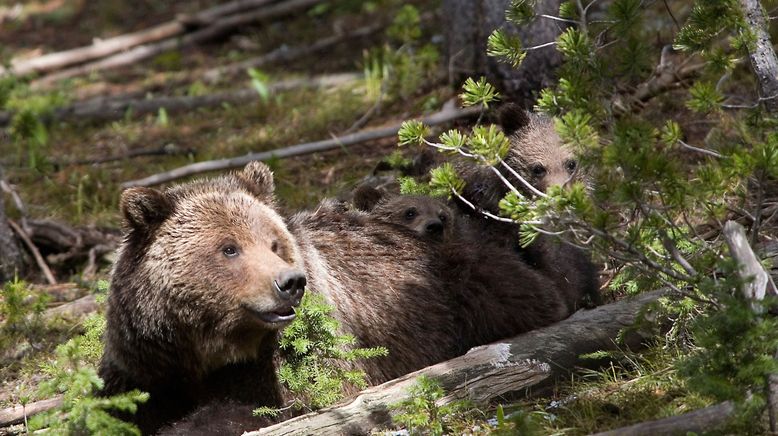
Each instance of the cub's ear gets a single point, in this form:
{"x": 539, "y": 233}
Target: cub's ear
{"x": 513, "y": 118}
{"x": 144, "y": 207}
{"x": 366, "y": 197}
{"x": 259, "y": 180}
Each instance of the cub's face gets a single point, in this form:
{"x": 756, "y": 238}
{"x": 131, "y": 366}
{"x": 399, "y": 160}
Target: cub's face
{"x": 218, "y": 257}
{"x": 426, "y": 216}
{"x": 537, "y": 152}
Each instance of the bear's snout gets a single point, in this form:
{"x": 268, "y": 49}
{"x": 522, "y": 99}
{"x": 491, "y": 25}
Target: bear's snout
{"x": 434, "y": 228}
{"x": 290, "y": 285}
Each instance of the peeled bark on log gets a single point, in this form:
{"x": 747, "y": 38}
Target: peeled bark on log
{"x": 444, "y": 116}
{"x": 485, "y": 373}
{"x": 471, "y": 23}
{"x": 218, "y": 28}
{"x": 698, "y": 421}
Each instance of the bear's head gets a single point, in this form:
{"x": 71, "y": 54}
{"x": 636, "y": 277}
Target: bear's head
{"x": 537, "y": 152}
{"x": 429, "y": 217}
{"x": 207, "y": 267}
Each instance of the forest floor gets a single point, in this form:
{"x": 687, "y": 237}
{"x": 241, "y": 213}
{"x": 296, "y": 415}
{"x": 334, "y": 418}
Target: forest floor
{"x": 56, "y": 180}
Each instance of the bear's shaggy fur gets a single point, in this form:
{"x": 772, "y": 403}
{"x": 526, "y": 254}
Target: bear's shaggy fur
{"x": 208, "y": 273}
{"x": 428, "y": 217}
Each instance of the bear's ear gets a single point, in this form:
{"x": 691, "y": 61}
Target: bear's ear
{"x": 259, "y": 179}
{"x": 366, "y": 197}
{"x": 144, "y": 207}
{"x": 513, "y": 118}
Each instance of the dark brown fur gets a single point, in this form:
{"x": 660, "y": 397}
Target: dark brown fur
{"x": 184, "y": 318}
{"x": 428, "y": 217}
{"x": 538, "y": 155}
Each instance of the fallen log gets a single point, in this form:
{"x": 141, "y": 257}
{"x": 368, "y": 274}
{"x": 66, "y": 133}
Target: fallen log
{"x": 109, "y": 109}
{"x": 218, "y": 28}
{"x": 17, "y": 414}
{"x": 485, "y": 373}
{"x": 75, "y": 310}
{"x": 444, "y": 116}
{"x": 698, "y": 421}
{"x": 113, "y": 109}
{"x": 287, "y": 54}
{"x": 101, "y": 48}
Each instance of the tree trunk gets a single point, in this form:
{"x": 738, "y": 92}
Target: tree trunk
{"x": 485, "y": 373}
{"x": 472, "y": 22}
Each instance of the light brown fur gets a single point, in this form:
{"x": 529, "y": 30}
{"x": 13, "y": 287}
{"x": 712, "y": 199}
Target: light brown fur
{"x": 187, "y": 322}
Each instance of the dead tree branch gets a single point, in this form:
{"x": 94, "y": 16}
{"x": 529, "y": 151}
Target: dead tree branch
{"x": 763, "y": 58}
{"x": 444, "y": 116}
{"x": 16, "y": 414}
{"x": 483, "y": 374}
{"x": 104, "y": 47}
{"x": 757, "y": 284}
{"x": 217, "y": 29}
{"x": 669, "y": 74}
{"x": 36, "y": 254}
{"x": 109, "y": 109}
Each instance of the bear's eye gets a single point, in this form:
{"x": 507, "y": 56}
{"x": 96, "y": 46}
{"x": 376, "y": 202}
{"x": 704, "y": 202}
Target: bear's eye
{"x": 410, "y": 214}
{"x": 230, "y": 251}
{"x": 442, "y": 218}
{"x": 538, "y": 170}
{"x": 274, "y": 246}
{"x": 571, "y": 165}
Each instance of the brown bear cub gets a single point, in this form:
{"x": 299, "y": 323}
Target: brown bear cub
{"x": 539, "y": 156}
{"x": 427, "y": 216}
{"x": 208, "y": 273}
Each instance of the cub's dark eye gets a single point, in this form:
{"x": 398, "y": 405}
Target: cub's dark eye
{"x": 230, "y": 251}
{"x": 274, "y": 246}
{"x": 571, "y": 165}
{"x": 442, "y": 218}
{"x": 538, "y": 170}
{"x": 410, "y": 214}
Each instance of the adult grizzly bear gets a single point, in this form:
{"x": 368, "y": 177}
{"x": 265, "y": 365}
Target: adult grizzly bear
{"x": 208, "y": 273}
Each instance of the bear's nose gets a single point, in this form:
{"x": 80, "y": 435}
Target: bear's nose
{"x": 434, "y": 227}
{"x": 290, "y": 285}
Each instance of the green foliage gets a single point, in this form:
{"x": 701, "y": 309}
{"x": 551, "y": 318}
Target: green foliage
{"x": 73, "y": 374}
{"x": 508, "y": 47}
{"x": 399, "y": 72}
{"x": 20, "y": 313}
{"x": 734, "y": 354}
{"x": 30, "y": 110}
{"x": 406, "y": 25}
{"x": 520, "y": 11}
{"x": 412, "y": 133}
{"x": 317, "y": 357}
{"x": 480, "y": 92}
{"x": 420, "y": 412}
{"x": 444, "y": 181}
{"x": 259, "y": 81}
{"x": 648, "y": 195}
{"x": 704, "y": 97}
{"x": 409, "y": 186}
